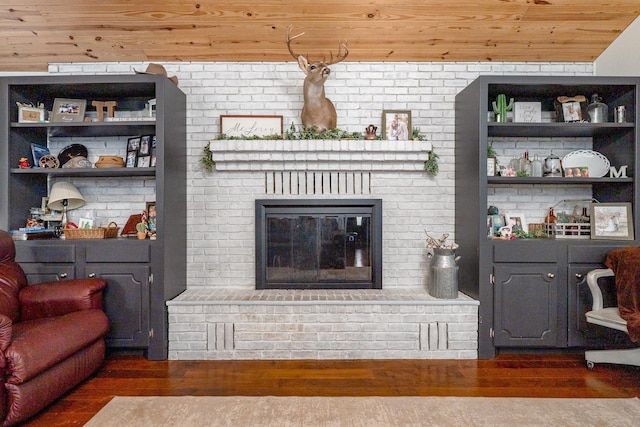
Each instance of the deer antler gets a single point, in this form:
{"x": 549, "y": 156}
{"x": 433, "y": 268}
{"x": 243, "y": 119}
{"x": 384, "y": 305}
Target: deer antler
{"x": 343, "y": 49}
{"x": 290, "y": 39}
{"x": 341, "y": 57}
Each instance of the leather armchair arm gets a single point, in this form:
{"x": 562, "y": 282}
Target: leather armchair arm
{"x": 59, "y": 298}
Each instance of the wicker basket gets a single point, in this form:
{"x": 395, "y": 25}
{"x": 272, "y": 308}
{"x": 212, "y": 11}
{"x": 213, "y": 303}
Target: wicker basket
{"x": 107, "y": 232}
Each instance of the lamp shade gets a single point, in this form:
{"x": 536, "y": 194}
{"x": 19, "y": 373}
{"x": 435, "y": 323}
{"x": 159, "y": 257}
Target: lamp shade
{"x": 62, "y": 191}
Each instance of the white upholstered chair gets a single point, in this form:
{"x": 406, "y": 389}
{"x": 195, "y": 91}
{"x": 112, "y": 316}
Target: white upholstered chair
{"x": 608, "y": 317}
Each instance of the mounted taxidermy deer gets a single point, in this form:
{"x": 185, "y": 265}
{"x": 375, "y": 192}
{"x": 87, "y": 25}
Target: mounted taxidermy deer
{"x": 318, "y": 111}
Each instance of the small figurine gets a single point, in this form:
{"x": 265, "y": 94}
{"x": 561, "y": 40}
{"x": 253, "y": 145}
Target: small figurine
{"x": 24, "y": 163}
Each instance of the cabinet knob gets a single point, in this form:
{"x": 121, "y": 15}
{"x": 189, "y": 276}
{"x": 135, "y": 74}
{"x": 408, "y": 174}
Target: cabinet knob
{"x": 63, "y": 275}
{"x": 579, "y": 276}
{"x": 551, "y": 275}
{"x": 92, "y": 275}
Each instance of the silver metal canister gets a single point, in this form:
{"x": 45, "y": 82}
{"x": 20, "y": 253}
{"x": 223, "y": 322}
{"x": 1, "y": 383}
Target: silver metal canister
{"x": 444, "y": 274}
{"x": 619, "y": 114}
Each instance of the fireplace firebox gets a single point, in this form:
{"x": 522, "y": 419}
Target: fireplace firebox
{"x": 319, "y": 244}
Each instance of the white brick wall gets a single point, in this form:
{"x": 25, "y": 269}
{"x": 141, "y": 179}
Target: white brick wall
{"x": 220, "y": 211}
{"x": 414, "y": 202}
{"x": 323, "y": 325}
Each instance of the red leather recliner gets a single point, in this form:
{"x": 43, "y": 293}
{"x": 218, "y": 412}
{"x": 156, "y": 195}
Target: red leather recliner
{"x": 51, "y": 337}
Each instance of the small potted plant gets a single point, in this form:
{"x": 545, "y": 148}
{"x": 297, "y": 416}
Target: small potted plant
{"x": 141, "y": 228}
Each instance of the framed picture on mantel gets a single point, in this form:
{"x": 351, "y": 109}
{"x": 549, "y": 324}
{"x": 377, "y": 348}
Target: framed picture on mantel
{"x": 396, "y": 125}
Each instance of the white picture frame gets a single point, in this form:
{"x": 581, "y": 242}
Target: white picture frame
{"x": 30, "y": 115}
{"x": 518, "y": 219}
{"x": 238, "y": 126}
{"x": 527, "y": 112}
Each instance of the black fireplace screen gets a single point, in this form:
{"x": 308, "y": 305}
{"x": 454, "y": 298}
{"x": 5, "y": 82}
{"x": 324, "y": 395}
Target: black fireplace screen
{"x": 318, "y": 244}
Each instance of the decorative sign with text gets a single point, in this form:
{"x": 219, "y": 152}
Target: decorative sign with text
{"x": 250, "y": 126}
{"x": 527, "y": 112}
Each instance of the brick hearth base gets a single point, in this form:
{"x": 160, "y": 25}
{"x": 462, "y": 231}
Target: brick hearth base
{"x": 210, "y": 324}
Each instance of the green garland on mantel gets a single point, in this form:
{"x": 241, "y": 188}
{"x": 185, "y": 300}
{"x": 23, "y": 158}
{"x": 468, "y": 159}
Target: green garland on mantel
{"x": 208, "y": 164}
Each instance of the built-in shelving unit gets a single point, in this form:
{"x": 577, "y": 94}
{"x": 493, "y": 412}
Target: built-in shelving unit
{"x": 532, "y": 292}
{"x": 142, "y": 275}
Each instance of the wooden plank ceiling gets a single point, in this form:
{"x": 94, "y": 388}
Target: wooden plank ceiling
{"x": 34, "y": 33}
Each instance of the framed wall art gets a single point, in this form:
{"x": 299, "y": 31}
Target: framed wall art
{"x": 68, "y": 110}
{"x": 250, "y": 126}
{"x": 396, "y": 125}
{"x": 611, "y": 221}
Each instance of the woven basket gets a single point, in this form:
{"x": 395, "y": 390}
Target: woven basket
{"x": 108, "y": 232}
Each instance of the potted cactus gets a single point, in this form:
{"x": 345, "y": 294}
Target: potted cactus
{"x": 141, "y": 228}
{"x": 500, "y": 107}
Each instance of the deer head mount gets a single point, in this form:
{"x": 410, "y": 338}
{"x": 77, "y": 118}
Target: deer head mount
{"x": 318, "y": 111}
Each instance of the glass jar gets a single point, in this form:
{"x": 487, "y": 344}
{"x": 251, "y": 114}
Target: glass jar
{"x": 597, "y": 110}
{"x": 536, "y": 166}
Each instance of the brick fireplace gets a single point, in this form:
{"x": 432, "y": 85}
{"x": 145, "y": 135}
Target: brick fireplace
{"x": 230, "y": 319}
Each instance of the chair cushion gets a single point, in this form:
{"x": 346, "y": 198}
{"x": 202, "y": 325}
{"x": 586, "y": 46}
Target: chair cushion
{"x": 609, "y": 317}
{"x": 41, "y": 343}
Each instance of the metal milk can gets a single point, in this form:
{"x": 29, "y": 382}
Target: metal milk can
{"x": 444, "y": 273}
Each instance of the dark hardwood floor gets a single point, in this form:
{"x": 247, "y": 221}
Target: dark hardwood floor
{"x": 559, "y": 375}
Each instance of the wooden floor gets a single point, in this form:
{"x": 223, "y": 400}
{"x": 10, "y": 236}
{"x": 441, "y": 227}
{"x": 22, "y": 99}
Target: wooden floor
{"x": 508, "y": 375}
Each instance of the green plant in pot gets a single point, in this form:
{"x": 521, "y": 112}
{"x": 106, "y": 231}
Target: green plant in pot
{"x": 141, "y": 228}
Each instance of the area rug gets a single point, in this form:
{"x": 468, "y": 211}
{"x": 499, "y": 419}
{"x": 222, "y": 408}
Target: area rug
{"x": 244, "y": 411}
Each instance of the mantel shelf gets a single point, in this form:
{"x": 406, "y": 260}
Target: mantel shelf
{"x": 320, "y": 155}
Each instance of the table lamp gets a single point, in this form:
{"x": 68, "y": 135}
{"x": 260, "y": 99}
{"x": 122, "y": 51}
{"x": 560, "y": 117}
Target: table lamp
{"x": 64, "y": 196}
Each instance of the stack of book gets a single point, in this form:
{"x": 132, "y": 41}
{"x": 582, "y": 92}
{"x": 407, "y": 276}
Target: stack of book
{"x": 32, "y": 233}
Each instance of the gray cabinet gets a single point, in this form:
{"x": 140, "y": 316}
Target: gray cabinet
{"x": 126, "y": 267}
{"x": 141, "y": 275}
{"x": 525, "y": 305}
{"x": 532, "y": 292}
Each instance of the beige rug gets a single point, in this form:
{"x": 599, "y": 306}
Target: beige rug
{"x": 365, "y": 411}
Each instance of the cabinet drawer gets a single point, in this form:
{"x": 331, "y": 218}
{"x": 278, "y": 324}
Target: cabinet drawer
{"x": 591, "y": 253}
{"x": 45, "y": 253}
{"x": 119, "y": 251}
{"x": 529, "y": 251}
{"x": 38, "y": 272}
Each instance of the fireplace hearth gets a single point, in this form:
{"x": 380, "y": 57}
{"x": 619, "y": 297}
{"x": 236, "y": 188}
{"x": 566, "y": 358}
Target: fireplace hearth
{"x": 319, "y": 244}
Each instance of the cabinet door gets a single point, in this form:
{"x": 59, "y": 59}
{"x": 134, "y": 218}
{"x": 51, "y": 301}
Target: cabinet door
{"x": 526, "y": 305}
{"x": 580, "y": 301}
{"x": 126, "y": 302}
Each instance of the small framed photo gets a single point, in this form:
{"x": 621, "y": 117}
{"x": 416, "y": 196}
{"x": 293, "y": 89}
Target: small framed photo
{"x": 132, "y": 157}
{"x": 143, "y": 161}
{"x": 151, "y": 216}
{"x": 248, "y": 126}
{"x": 611, "y": 221}
{"x": 396, "y": 125}
{"x": 145, "y": 145}
{"x": 517, "y": 221}
{"x": 68, "y": 110}
{"x": 491, "y": 166}
{"x": 577, "y": 172}
{"x": 133, "y": 145}
{"x": 30, "y": 115}
{"x": 154, "y": 157}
